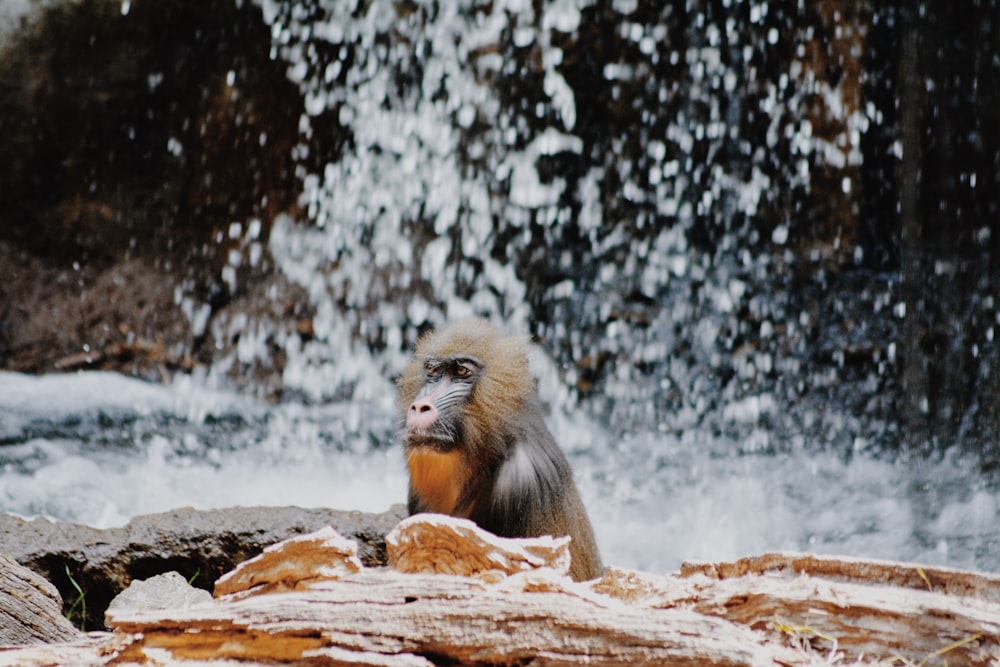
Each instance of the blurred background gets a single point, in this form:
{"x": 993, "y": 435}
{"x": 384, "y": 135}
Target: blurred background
{"x": 757, "y": 245}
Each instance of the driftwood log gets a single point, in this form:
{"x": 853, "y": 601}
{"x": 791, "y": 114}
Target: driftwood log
{"x": 30, "y": 608}
{"x": 454, "y": 594}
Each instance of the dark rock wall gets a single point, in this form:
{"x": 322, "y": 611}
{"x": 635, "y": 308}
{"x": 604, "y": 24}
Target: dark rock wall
{"x": 130, "y": 146}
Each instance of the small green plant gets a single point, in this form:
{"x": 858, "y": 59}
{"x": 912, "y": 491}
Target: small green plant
{"x": 81, "y": 602}
{"x": 194, "y": 576}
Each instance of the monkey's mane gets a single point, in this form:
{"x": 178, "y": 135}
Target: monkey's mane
{"x": 506, "y": 382}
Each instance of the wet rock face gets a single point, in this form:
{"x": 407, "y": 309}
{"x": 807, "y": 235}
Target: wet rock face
{"x": 132, "y": 144}
{"x": 200, "y": 545}
{"x": 145, "y": 134}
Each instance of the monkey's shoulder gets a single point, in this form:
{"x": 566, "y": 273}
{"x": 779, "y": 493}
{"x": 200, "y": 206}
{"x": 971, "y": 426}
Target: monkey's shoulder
{"x": 532, "y": 475}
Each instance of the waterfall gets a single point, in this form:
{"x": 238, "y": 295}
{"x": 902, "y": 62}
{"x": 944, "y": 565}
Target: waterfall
{"x": 761, "y": 291}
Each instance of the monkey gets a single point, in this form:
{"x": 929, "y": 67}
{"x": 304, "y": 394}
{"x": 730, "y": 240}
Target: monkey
{"x": 477, "y": 446}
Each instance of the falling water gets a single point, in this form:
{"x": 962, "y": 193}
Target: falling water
{"x": 675, "y": 202}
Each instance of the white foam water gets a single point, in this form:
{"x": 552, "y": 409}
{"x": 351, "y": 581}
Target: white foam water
{"x": 98, "y": 448}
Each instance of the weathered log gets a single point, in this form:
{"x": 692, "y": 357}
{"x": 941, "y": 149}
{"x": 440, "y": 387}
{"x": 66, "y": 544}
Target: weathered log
{"x": 293, "y": 564}
{"x": 90, "y": 651}
{"x": 308, "y": 601}
{"x": 508, "y": 607}
{"x": 858, "y": 570}
{"x": 437, "y": 544}
{"x": 854, "y": 606}
{"x": 441, "y": 618}
{"x": 30, "y": 608}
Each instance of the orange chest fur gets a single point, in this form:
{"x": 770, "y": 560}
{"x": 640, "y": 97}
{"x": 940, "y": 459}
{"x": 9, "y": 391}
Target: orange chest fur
{"x": 437, "y": 477}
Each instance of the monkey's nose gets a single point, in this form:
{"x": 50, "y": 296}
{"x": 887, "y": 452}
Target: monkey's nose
{"x": 421, "y": 415}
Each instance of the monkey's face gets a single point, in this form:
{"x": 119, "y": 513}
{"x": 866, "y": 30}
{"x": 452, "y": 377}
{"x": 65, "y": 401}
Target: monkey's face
{"x": 433, "y": 419}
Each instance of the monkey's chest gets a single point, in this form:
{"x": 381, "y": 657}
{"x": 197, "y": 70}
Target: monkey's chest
{"x": 437, "y": 477}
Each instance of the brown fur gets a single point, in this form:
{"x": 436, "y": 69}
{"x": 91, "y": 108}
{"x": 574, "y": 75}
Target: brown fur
{"x": 505, "y": 470}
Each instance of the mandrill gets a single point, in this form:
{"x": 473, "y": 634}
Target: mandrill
{"x": 477, "y": 446}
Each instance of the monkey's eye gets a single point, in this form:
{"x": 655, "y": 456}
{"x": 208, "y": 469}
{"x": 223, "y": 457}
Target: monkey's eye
{"x": 431, "y": 370}
{"x": 466, "y": 369}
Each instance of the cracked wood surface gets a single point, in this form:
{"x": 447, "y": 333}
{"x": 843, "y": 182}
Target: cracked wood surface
{"x": 454, "y": 594}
